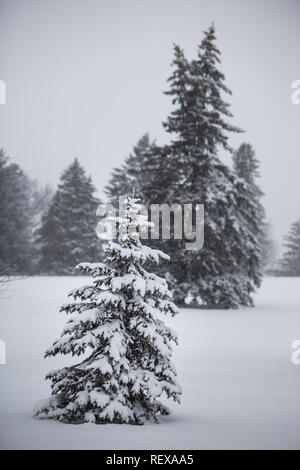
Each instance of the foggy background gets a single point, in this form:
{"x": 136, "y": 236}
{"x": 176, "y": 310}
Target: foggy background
{"x": 85, "y": 79}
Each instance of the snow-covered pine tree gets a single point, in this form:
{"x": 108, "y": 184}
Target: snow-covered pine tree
{"x": 289, "y": 265}
{"x": 67, "y": 233}
{"x": 117, "y": 319}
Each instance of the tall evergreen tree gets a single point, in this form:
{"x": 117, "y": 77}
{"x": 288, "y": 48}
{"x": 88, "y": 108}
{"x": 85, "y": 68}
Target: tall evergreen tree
{"x": 68, "y": 230}
{"x": 224, "y": 272}
{"x": 289, "y": 265}
{"x": 130, "y": 365}
{"x": 15, "y": 234}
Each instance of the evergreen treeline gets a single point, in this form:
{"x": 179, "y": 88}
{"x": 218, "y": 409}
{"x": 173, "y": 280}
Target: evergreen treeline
{"x": 42, "y": 233}
{"x": 46, "y": 233}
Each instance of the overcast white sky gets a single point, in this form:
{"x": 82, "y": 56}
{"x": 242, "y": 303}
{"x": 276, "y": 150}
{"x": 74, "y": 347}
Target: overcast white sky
{"x": 85, "y": 78}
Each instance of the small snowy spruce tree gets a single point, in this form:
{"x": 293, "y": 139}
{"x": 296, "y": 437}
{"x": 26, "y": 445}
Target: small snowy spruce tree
{"x": 128, "y": 366}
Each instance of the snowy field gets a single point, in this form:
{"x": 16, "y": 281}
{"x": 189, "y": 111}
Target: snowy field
{"x": 240, "y": 388}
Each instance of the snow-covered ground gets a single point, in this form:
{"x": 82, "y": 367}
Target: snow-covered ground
{"x": 240, "y": 388}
